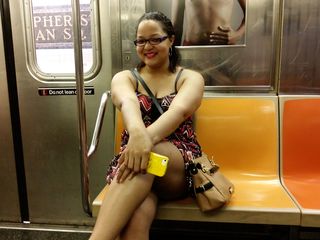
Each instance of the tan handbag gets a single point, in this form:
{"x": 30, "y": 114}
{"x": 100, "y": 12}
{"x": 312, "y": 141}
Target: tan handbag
{"x": 212, "y": 189}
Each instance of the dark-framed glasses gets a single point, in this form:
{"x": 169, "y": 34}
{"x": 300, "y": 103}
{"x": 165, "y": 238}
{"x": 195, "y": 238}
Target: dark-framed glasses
{"x": 152, "y": 41}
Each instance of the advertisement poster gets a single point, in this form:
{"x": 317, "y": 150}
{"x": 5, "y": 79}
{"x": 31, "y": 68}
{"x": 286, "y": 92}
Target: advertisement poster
{"x": 205, "y": 23}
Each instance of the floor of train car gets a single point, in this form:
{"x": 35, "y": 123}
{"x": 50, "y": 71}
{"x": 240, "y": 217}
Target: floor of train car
{"x": 170, "y": 231}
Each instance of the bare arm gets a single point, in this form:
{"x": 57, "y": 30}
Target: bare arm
{"x": 241, "y": 30}
{"x": 227, "y": 35}
{"x": 242, "y": 25}
{"x": 184, "y": 105}
{"x": 136, "y": 154}
{"x": 124, "y": 98}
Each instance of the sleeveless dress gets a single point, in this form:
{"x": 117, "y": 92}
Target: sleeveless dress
{"x": 184, "y": 137}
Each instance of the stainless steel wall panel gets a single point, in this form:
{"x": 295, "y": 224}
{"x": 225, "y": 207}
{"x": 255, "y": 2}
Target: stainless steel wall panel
{"x": 49, "y": 126}
{"x": 300, "y": 65}
{"x": 131, "y": 11}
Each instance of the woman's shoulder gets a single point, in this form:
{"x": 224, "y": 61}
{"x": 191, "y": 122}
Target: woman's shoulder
{"x": 123, "y": 73}
{"x": 191, "y": 75}
{"x": 124, "y": 77}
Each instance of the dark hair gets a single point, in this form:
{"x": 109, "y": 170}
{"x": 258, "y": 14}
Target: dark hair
{"x": 167, "y": 27}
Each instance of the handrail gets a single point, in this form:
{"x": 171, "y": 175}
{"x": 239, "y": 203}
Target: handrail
{"x": 98, "y": 125}
{"x": 78, "y": 59}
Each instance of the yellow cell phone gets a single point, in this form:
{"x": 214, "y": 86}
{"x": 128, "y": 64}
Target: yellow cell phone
{"x": 157, "y": 164}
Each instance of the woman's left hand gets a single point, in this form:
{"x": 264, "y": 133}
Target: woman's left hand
{"x": 134, "y": 159}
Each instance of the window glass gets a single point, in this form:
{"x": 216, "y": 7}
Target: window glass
{"x": 53, "y": 38}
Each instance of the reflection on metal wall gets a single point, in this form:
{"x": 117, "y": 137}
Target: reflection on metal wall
{"x": 300, "y": 68}
{"x": 131, "y": 11}
{"x": 247, "y": 66}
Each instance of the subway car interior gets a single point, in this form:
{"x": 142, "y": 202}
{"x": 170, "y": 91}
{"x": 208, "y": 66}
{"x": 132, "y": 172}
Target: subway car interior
{"x": 259, "y": 117}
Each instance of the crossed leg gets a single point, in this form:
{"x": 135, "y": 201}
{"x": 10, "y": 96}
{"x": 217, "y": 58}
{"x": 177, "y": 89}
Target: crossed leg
{"x": 129, "y": 208}
{"x": 141, "y": 220}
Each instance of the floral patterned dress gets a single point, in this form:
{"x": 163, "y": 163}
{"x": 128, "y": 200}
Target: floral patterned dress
{"x": 184, "y": 137}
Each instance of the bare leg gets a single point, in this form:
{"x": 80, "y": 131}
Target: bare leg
{"x": 117, "y": 208}
{"x": 124, "y": 208}
{"x": 140, "y": 222}
{"x": 173, "y": 184}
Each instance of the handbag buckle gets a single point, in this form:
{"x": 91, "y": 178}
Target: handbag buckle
{"x": 192, "y": 168}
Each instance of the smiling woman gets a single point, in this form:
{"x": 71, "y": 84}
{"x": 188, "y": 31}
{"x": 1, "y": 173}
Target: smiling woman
{"x": 162, "y": 125}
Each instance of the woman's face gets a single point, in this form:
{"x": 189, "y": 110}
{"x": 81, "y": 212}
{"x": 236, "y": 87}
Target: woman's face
{"x": 154, "y": 54}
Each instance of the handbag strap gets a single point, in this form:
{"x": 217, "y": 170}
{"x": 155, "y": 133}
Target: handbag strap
{"x": 137, "y": 76}
{"x": 204, "y": 187}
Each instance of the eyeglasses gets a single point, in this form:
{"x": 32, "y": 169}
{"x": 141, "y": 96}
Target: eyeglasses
{"x": 151, "y": 41}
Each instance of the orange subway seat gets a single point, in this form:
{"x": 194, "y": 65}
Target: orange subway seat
{"x": 241, "y": 134}
{"x": 118, "y": 131}
{"x": 301, "y": 153}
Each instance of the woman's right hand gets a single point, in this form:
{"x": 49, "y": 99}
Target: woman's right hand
{"x": 134, "y": 159}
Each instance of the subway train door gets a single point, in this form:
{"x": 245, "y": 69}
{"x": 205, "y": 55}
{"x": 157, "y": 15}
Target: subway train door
{"x": 46, "y": 89}
{"x": 9, "y": 204}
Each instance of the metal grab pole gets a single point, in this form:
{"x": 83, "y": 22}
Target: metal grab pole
{"x": 77, "y": 41}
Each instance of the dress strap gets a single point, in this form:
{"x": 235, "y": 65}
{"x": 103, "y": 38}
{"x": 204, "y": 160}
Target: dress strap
{"x": 137, "y": 76}
{"x": 177, "y": 79}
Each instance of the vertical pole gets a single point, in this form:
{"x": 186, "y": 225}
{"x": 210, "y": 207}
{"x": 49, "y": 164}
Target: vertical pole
{"x": 76, "y": 24}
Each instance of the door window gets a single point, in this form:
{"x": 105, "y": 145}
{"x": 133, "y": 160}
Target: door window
{"x": 50, "y": 45}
